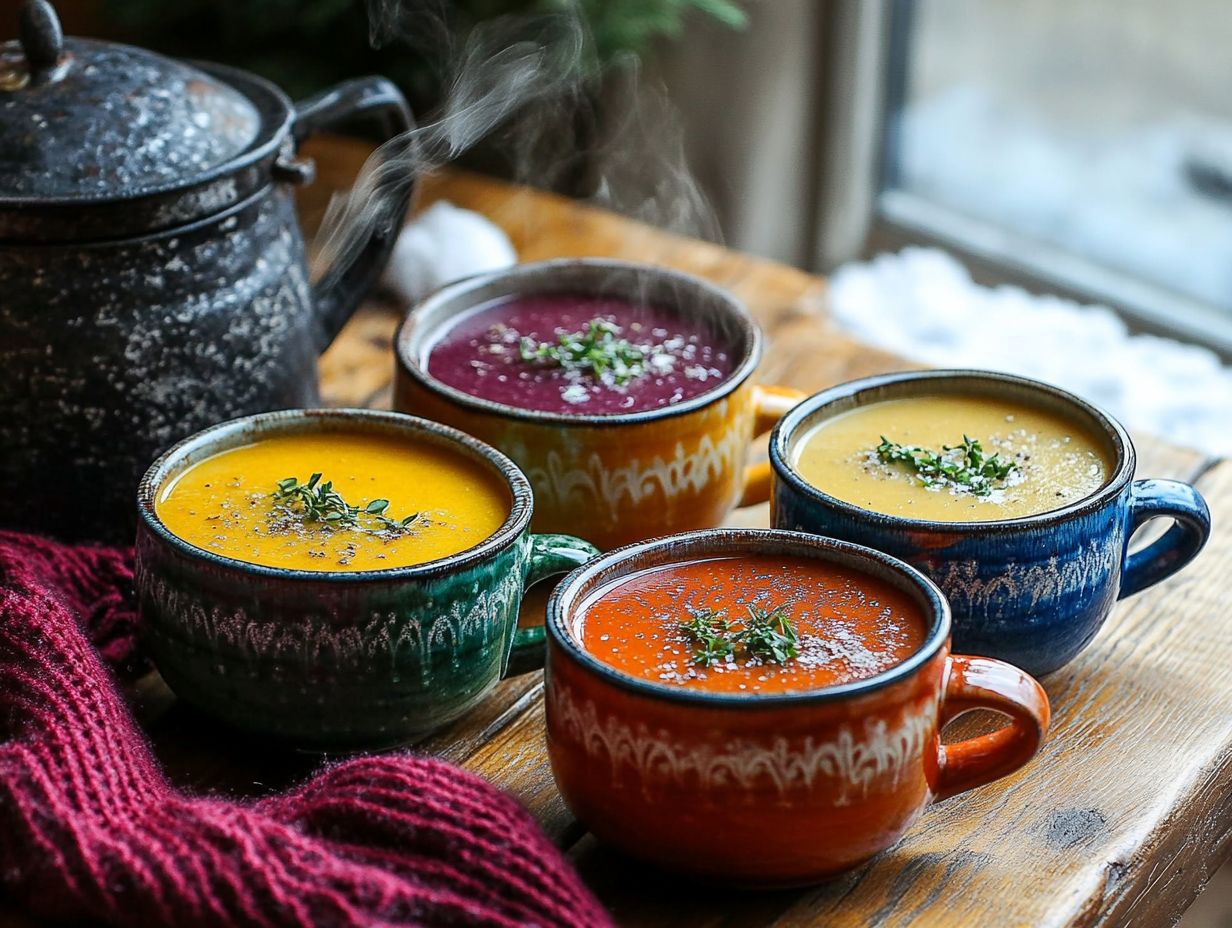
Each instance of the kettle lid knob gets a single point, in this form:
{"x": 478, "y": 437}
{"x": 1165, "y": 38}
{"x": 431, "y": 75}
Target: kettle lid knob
{"x": 42, "y": 39}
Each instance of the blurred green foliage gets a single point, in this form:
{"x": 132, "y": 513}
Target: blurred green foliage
{"x": 304, "y": 45}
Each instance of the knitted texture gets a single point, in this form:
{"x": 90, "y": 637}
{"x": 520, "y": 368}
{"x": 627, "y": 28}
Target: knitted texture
{"x": 90, "y": 827}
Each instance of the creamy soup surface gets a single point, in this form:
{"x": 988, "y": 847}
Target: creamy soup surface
{"x": 226, "y": 504}
{"x": 672, "y": 359}
{"x": 1055, "y": 460}
{"x": 847, "y": 624}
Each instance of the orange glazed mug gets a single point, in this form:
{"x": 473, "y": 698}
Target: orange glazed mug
{"x": 779, "y": 789}
{"x": 617, "y": 478}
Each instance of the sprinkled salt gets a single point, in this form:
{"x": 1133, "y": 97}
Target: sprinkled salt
{"x": 575, "y": 393}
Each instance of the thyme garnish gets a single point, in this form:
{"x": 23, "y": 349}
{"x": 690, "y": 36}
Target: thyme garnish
{"x": 965, "y": 466}
{"x": 767, "y": 635}
{"x": 315, "y": 501}
{"x": 712, "y": 632}
{"x": 597, "y": 350}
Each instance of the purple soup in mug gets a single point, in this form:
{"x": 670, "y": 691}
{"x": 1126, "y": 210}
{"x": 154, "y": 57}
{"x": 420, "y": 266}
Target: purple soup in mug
{"x": 625, "y": 391}
{"x": 533, "y": 352}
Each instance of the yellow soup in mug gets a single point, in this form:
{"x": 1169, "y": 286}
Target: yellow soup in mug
{"x": 379, "y": 502}
{"x": 950, "y": 458}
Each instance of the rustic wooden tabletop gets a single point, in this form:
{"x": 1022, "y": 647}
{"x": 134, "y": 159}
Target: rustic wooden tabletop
{"x": 1119, "y": 821}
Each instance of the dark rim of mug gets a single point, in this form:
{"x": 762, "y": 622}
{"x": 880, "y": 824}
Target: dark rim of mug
{"x": 614, "y": 566}
{"x": 262, "y": 424}
{"x": 784, "y": 432}
{"x": 407, "y": 345}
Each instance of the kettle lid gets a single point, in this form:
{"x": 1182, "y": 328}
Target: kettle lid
{"x": 84, "y": 120}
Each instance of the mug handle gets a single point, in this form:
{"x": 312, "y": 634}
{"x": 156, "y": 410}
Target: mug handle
{"x": 549, "y": 555}
{"x": 1156, "y": 499}
{"x": 770, "y": 404}
{"x": 339, "y": 292}
{"x": 985, "y": 683}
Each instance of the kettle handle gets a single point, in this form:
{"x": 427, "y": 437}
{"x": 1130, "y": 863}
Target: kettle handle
{"x": 339, "y": 292}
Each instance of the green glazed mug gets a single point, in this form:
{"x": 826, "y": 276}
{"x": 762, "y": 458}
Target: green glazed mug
{"x": 335, "y": 659}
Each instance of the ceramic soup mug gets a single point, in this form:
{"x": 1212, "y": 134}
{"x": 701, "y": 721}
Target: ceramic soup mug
{"x": 265, "y": 618}
{"x": 1031, "y": 567}
{"x": 643, "y": 445}
{"x": 748, "y": 771}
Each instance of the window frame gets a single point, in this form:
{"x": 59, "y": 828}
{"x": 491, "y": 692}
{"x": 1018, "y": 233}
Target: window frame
{"x": 880, "y": 33}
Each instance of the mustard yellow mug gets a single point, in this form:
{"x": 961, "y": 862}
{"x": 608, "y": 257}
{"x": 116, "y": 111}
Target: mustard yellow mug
{"x": 612, "y": 478}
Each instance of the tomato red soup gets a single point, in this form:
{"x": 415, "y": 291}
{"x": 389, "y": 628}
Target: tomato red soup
{"x": 752, "y": 624}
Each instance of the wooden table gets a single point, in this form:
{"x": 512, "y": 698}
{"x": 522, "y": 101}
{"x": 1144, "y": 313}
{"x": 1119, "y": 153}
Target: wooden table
{"x": 1119, "y": 821}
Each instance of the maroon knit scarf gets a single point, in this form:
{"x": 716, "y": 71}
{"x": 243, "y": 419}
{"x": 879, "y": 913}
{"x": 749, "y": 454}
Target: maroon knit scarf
{"x": 90, "y": 827}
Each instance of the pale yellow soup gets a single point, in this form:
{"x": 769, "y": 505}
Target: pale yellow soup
{"x": 1057, "y": 461}
{"x": 225, "y": 504}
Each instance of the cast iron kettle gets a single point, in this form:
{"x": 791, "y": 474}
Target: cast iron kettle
{"x": 152, "y": 271}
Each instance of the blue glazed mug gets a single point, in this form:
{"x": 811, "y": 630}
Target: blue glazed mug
{"x": 1032, "y": 591}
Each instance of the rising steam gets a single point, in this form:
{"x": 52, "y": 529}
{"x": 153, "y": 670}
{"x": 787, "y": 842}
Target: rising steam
{"x": 534, "y": 87}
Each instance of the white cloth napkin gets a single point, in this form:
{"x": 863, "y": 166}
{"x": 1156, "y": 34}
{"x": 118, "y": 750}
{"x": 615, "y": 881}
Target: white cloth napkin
{"x": 443, "y": 244}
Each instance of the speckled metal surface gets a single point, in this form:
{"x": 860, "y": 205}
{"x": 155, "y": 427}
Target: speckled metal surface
{"x": 118, "y": 120}
{"x": 112, "y": 352}
{"x": 111, "y": 213}
{"x": 152, "y": 272}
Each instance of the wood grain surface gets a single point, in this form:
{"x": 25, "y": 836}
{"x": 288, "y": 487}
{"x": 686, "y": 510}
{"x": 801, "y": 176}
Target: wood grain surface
{"x": 1119, "y": 821}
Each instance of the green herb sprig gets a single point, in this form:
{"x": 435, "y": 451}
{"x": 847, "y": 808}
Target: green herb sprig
{"x": 712, "y": 632}
{"x": 767, "y": 635}
{"x": 315, "y": 501}
{"x": 964, "y": 465}
{"x": 597, "y": 351}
